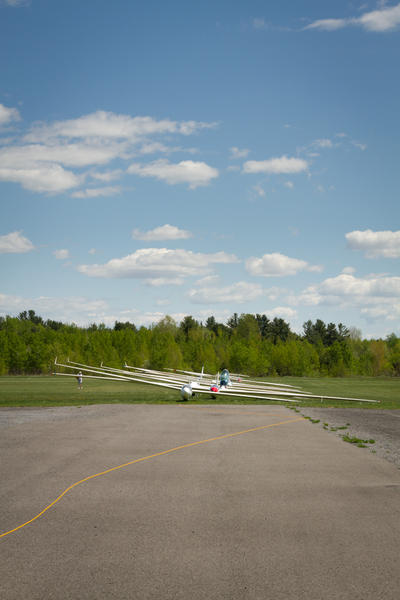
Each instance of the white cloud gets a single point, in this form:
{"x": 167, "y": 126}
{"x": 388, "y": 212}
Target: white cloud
{"x": 239, "y": 292}
{"x": 381, "y": 20}
{"x": 51, "y": 178}
{"x": 349, "y": 285}
{"x": 110, "y": 126}
{"x": 187, "y": 171}
{"x": 375, "y": 244}
{"x": 61, "y": 254}
{"x": 96, "y": 192}
{"x": 329, "y": 24}
{"x": 8, "y": 114}
{"x": 276, "y": 165}
{"x": 277, "y": 265}
{"x": 374, "y": 296}
{"x": 289, "y": 184}
{"x": 282, "y": 312}
{"x": 385, "y": 19}
{"x": 237, "y": 153}
{"x": 15, "y": 242}
{"x": 259, "y": 190}
{"x": 92, "y": 251}
{"x": 164, "y": 232}
{"x": 155, "y": 263}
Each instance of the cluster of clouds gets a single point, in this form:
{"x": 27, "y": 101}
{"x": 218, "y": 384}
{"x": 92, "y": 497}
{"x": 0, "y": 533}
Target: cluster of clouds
{"x": 79, "y": 310}
{"x": 278, "y": 265}
{"x": 83, "y": 156}
{"x": 383, "y": 19}
{"x": 89, "y": 156}
{"x": 376, "y": 296}
{"x": 158, "y": 266}
{"x": 339, "y": 140}
{"x": 375, "y": 244}
{"x": 65, "y": 155}
{"x": 83, "y": 311}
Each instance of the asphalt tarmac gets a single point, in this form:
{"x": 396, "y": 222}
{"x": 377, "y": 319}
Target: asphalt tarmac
{"x": 283, "y": 511}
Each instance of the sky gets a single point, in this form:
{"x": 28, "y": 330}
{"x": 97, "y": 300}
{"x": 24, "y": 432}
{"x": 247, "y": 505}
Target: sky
{"x": 179, "y": 158}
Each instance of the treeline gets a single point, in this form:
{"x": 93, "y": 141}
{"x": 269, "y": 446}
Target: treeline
{"x": 247, "y": 343}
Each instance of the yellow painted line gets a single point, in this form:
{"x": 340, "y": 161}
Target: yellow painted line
{"x": 138, "y": 460}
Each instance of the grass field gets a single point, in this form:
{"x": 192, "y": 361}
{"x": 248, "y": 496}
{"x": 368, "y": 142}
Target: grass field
{"x": 57, "y": 391}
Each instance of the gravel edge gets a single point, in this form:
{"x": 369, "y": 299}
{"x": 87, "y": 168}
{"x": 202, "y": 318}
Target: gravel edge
{"x": 383, "y": 426}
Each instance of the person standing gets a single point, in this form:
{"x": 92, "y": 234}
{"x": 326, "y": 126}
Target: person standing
{"x": 80, "y": 380}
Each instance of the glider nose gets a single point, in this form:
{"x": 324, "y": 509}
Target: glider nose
{"x": 186, "y": 392}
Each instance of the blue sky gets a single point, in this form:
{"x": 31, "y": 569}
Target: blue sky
{"x": 201, "y": 158}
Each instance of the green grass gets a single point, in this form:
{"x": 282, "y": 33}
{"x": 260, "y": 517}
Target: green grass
{"x": 384, "y": 389}
{"x": 59, "y": 391}
{"x": 357, "y": 441}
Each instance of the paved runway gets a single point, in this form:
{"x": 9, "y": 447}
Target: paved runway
{"x": 285, "y": 511}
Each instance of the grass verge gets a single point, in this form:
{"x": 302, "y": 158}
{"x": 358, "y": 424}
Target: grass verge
{"x": 57, "y": 391}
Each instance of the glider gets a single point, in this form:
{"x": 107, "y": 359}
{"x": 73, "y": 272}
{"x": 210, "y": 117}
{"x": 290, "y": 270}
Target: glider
{"x": 191, "y": 383}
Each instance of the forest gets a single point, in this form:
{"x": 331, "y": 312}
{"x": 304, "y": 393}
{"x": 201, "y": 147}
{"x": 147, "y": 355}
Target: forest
{"x": 246, "y": 343}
